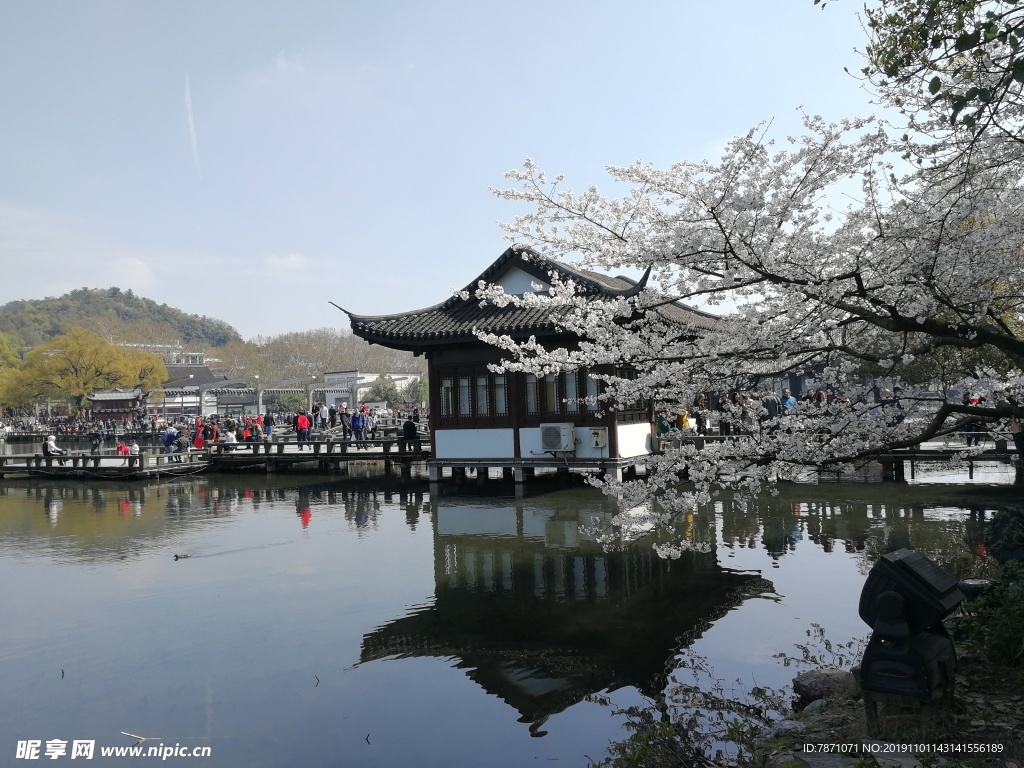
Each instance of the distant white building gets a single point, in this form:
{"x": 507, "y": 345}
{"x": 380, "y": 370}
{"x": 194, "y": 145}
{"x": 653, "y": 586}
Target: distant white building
{"x": 346, "y": 387}
{"x": 171, "y": 354}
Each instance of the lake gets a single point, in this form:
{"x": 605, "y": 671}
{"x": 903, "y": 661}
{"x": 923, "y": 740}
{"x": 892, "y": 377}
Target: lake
{"x": 326, "y": 621}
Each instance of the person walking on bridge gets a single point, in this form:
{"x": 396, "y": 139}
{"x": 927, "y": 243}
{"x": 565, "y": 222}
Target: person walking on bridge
{"x": 302, "y": 429}
{"x": 358, "y": 425}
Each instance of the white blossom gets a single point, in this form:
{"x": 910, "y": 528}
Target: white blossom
{"x": 805, "y": 277}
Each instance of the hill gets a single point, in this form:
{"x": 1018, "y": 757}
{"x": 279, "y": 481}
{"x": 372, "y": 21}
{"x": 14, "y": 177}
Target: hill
{"x": 118, "y": 315}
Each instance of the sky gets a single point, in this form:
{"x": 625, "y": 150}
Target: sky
{"x": 253, "y": 161}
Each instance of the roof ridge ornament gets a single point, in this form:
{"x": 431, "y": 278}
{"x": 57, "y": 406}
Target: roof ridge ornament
{"x": 628, "y": 293}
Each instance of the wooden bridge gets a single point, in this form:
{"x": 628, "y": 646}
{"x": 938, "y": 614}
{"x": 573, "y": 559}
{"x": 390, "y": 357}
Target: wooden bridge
{"x": 898, "y": 465}
{"x": 275, "y": 455}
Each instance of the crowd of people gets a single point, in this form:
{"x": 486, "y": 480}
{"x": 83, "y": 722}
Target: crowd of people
{"x": 78, "y": 425}
{"x": 357, "y": 424}
{"x": 183, "y": 433}
{"x": 746, "y": 413}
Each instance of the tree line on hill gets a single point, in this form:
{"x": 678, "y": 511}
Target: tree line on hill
{"x": 114, "y": 314}
{"x": 68, "y": 347}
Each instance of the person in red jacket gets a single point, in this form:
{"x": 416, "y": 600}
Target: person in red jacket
{"x": 302, "y": 429}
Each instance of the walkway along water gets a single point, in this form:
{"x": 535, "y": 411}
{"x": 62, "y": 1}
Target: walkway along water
{"x": 333, "y": 453}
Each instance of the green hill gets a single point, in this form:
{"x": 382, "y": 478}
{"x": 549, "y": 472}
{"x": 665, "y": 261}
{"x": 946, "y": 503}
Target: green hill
{"x": 118, "y": 315}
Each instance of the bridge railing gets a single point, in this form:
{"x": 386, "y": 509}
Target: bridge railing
{"x": 398, "y": 446}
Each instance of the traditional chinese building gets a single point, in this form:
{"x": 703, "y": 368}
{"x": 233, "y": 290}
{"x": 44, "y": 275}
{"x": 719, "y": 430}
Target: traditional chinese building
{"x": 116, "y": 403}
{"x": 519, "y": 420}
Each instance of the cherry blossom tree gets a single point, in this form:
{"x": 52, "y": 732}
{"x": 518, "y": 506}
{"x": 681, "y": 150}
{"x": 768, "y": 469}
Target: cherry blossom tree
{"x": 957, "y": 61}
{"x": 820, "y": 254}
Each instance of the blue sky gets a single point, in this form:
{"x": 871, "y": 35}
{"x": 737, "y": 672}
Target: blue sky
{"x": 252, "y": 161}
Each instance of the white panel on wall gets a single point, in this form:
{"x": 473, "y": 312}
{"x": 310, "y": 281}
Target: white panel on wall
{"x": 474, "y": 444}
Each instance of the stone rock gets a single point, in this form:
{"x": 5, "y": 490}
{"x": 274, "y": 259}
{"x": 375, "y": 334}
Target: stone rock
{"x": 820, "y": 683}
{"x": 808, "y": 760}
{"x": 815, "y": 705}
{"x": 784, "y": 728}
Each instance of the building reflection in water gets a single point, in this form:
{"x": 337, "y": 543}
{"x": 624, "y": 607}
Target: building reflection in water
{"x": 539, "y": 615}
{"x": 534, "y": 611}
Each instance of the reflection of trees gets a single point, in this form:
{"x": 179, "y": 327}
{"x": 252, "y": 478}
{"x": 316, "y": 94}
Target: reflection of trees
{"x": 541, "y": 616}
{"x": 86, "y": 521}
{"x": 870, "y": 521}
{"x": 866, "y": 519}
{"x": 362, "y": 501}
{"x": 81, "y": 521}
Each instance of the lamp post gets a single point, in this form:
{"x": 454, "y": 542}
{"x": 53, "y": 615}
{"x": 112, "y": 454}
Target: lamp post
{"x": 309, "y": 393}
{"x": 190, "y": 377}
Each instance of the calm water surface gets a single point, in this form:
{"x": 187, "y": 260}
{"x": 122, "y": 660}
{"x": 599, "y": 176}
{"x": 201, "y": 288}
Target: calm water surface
{"x": 348, "y": 622}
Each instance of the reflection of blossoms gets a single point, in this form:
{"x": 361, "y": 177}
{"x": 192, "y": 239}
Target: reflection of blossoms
{"x": 653, "y": 520}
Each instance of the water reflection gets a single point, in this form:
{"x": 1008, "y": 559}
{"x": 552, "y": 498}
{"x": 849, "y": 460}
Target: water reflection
{"x": 99, "y": 520}
{"x": 441, "y": 625}
{"x": 541, "y": 616}
{"x": 865, "y": 522}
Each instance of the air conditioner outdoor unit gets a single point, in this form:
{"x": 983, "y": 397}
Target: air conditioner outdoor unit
{"x": 557, "y": 437}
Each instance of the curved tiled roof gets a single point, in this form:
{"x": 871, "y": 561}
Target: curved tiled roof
{"x": 459, "y": 320}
